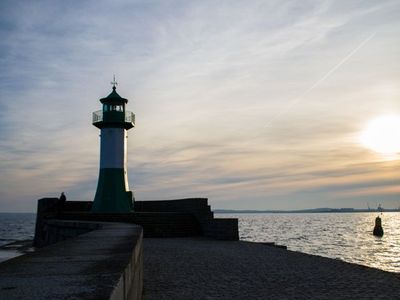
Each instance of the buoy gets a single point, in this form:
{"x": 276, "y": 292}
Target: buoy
{"x": 378, "y": 230}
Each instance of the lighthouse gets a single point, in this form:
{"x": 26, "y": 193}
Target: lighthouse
{"x": 112, "y": 194}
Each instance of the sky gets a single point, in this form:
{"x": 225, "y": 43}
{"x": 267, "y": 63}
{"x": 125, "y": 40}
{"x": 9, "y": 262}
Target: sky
{"x": 252, "y": 104}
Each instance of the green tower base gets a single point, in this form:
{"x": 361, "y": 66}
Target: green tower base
{"x": 111, "y": 195}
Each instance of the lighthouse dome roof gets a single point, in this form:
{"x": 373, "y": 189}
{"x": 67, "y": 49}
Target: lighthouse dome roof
{"x": 114, "y": 97}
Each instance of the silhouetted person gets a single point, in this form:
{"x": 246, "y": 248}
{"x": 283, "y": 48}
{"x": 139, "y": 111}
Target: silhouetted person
{"x": 63, "y": 198}
{"x": 61, "y": 202}
{"x": 378, "y": 230}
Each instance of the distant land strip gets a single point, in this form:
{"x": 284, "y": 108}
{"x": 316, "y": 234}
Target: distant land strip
{"x": 311, "y": 210}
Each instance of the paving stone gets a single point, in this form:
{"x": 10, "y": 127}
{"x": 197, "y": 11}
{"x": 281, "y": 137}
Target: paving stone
{"x": 197, "y": 268}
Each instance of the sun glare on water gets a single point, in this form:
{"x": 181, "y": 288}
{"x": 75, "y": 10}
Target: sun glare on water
{"x": 382, "y": 135}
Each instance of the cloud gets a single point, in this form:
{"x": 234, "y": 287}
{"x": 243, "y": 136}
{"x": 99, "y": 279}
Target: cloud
{"x": 203, "y": 79}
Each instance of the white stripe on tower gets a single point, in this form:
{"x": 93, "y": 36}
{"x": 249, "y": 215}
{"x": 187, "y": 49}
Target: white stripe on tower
{"x": 113, "y": 148}
{"x": 125, "y": 159}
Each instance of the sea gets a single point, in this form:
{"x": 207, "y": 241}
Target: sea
{"x": 15, "y": 227}
{"x": 343, "y": 236}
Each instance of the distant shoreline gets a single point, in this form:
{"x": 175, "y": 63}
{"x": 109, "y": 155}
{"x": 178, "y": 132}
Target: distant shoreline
{"x": 315, "y": 210}
{"x": 255, "y": 211}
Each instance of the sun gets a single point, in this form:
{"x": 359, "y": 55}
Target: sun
{"x": 382, "y": 135}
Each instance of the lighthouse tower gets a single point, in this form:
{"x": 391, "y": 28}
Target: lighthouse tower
{"x": 112, "y": 194}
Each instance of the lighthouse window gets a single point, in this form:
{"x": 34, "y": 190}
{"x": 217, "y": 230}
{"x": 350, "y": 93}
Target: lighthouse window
{"x": 109, "y": 107}
{"x": 117, "y": 107}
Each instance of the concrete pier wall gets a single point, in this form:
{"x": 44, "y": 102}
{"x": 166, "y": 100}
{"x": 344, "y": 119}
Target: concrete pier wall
{"x": 160, "y": 218}
{"x": 105, "y": 263}
{"x": 216, "y": 228}
{"x": 222, "y": 229}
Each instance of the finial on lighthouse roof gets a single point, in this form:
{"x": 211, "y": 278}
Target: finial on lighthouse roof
{"x": 114, "y": 83}
{"x": 113, "y": 98}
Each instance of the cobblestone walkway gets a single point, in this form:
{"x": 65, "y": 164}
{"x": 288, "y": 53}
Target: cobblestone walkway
{"x": 203, "y": 269}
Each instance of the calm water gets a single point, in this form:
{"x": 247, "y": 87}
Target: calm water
{"x": 14, "y": 227}
{"x": 346, "y": 236}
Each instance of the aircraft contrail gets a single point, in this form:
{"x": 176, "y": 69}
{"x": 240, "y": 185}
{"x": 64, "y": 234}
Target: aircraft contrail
{"x": 296, "y": 100}
{"x": 318, "y": 82}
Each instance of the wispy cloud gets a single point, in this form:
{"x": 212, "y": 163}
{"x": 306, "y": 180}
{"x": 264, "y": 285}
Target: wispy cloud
{"x": 203, "y": 79}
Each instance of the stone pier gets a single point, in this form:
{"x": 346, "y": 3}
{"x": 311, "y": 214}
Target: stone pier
{"x": 105, "y": 262}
